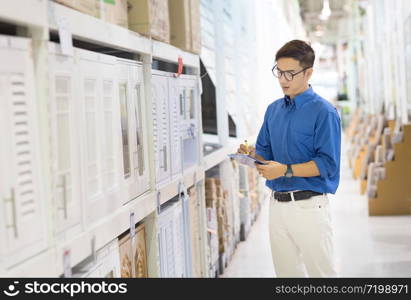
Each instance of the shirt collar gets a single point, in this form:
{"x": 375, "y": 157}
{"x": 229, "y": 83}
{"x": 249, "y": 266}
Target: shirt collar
{"x": 300, "y": 99}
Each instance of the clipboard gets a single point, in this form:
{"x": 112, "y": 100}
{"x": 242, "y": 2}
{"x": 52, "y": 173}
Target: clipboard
{"x": 247, "y": 160}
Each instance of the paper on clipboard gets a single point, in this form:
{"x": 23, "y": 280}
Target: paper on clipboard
{"x": 246, "y": 159}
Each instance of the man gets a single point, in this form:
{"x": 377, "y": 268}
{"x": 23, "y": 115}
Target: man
{"x": 300, "y": 139}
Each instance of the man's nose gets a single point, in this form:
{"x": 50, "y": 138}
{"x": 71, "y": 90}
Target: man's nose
{"x": 282, "y": 79}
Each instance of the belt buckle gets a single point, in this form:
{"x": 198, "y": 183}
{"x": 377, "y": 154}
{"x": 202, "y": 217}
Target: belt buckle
{"x": 281, "y": 194}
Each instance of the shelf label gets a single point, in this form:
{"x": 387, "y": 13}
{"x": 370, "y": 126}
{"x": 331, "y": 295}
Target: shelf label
{"x": 180, "y": 67}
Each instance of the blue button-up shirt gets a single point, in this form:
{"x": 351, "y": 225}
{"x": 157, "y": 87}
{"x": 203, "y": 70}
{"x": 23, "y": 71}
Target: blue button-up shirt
{"x": 300, "y": 130}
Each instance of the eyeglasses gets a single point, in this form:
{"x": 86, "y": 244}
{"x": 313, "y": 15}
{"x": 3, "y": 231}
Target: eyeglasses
{"x": 289, "y": 76}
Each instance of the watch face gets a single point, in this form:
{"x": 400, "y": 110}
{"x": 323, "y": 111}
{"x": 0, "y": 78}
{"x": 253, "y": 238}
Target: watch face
{"x": 289, "y": 172}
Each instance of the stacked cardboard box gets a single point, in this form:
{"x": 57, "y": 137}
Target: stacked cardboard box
{"x": 245, "y": 219}
{"x": 150, "y": 18}
{"x": 115, "y": 12}
{"x": 352, "y": 128}
{"x": 185, "y": 31}
{"x": 195, "y": 231}
{"x": 105, "y": 263}
{"x": 212, "y": 225}
{"x": 236, "y": 195}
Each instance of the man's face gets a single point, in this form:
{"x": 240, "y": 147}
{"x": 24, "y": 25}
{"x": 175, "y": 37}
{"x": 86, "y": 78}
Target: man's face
{"x": 299, "y": 82}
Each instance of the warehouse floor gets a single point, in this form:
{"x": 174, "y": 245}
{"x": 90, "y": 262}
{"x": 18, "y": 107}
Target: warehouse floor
{"x": 365, "y": 246}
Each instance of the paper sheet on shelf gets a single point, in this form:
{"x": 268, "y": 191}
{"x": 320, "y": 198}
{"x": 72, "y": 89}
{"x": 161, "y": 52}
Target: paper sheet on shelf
{"x": 245, "y": 159}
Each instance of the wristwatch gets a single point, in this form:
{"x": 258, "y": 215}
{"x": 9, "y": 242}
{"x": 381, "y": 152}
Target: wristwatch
{"x": 289, "y": 173}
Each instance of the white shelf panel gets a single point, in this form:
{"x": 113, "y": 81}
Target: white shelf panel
{"x": 170, "y": 53}
{"x": 24, "y": 12}
{"x": 215, "y": 158}
{"x": 220, "y": 155}
{"x": 106, "y": 230}
{"x": 91, "y": 29}
{"x": 170, "y": 190}
{"x": 193, "y": 175}
{"x": 42, "y": 265}
{"x": 234, "y": 143}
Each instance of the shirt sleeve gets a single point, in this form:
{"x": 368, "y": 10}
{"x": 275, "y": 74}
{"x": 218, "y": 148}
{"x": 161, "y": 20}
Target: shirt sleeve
{"x": 327, "y": 144}
{"x": 263, "y": 144}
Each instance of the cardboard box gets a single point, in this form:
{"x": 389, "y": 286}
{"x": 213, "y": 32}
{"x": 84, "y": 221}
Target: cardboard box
{"x": 150, "y": 18}
{"x": 393, "y": 193}
{"x": 115, "y": 12}
{"x": 210, "y": 194}
{"x": 126, "y": 259}
{"x": 133, "y": 257}
{"x": 185, "y": 28}
{"x": 140, "y": 254}
{"x": 90, "y": 7}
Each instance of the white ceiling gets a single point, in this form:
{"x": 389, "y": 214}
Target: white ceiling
{"x": 331, "y": 28}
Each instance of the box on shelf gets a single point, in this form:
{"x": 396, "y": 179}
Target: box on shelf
{"x": 90, "y": 7}
{"x": 210, "y": 191}
{"x": 140, "y": 256}
{"x": 150, "y": 18}
{"x": 185, "y": 31}
{"x": 115, "y": 12}
{"x": 133, "y": 258}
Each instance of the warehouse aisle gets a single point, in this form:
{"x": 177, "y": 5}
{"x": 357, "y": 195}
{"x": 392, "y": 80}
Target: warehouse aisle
{"x": 365, "y": 246}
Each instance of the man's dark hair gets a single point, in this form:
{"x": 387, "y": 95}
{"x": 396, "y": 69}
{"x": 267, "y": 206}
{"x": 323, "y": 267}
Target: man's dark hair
{"x": 299, "y": 50}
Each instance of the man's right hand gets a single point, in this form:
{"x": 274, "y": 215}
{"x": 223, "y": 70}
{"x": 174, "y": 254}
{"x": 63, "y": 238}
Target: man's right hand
{"x": 243, "y": 150}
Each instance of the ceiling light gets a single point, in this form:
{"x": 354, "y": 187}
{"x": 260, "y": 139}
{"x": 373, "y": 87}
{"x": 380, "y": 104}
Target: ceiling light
{"x": 326, "y": 11}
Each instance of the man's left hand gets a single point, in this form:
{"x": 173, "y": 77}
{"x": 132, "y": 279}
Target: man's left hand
{"x": 272, "y": 170}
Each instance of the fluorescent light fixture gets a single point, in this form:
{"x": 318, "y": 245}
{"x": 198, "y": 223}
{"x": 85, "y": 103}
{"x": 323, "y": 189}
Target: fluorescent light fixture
{"x": 326, "y": 11}
{"x": 319, "y": 33}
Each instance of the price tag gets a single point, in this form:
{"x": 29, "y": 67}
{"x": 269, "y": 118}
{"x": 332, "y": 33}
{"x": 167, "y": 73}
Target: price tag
{"x": 93, "y": 248}
{"x": 132, "y": 225}
{"x": 67, "y": 264}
